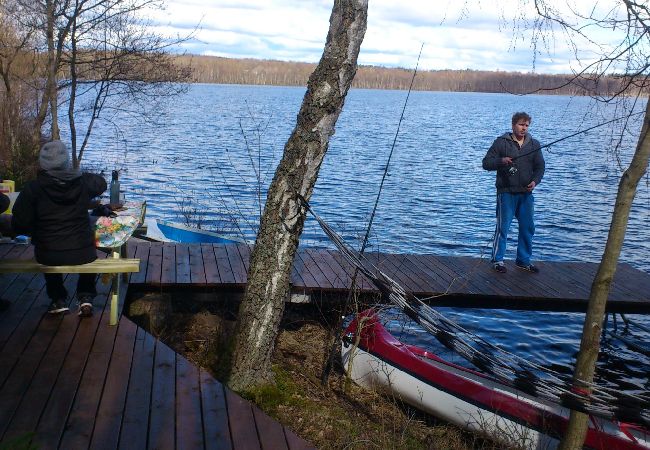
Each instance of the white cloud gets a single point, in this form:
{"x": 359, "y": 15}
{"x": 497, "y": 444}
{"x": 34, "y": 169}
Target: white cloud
{"x": 456, "y": 35}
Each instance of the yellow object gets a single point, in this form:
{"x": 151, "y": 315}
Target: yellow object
{"x": 7, "y": 186}
{"x": 12, "y": 199}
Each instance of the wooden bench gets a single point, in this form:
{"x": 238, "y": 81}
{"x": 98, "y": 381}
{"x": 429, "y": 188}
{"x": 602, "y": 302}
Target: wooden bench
{"x": 113, "y": 265}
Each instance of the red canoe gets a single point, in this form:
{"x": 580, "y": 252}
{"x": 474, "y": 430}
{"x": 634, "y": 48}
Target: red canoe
{"x": 467, "y": 398}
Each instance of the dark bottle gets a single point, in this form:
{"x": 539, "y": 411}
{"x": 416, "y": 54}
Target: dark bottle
{"x": 115, "y": 189}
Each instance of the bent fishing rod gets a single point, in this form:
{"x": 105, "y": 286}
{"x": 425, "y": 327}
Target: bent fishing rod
{"x": 576, "y": 133}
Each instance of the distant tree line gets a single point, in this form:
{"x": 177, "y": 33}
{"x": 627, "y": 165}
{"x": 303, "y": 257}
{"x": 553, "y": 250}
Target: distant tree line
{"x": 213, "y": 69}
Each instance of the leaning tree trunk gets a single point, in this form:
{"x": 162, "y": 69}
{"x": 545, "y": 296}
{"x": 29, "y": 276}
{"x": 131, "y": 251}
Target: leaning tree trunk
{"x": 51, "y": 81}
{"x": 283, "y": 218}
{"x": 592, "y": 330}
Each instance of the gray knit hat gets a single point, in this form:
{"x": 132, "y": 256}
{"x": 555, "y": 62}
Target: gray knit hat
{"x": 54, "y": 156}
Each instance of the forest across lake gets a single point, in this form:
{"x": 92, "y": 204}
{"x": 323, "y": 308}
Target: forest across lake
{"x": 214, "y": 69}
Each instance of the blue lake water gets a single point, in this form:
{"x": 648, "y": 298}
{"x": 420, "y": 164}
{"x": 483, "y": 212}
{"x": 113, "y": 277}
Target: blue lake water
{"x": 208, "y": 149}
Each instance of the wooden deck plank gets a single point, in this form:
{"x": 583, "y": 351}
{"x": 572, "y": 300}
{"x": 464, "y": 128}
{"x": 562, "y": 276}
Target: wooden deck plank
{"x": 245, "y": 254}
{"x": 297, "y": 279}
{"x": 169, "y": 266}
{"x": 215, "y": 413}
{"x": 22, "y": 251}
{"x": 210, "y": 265}
{"x": 138, "y": 397}
{"x": 311, "y": 273}
{"x": 225, "y": 270}
{"x": 56, "y": 412}
{"x": 155, "y": 263}
{"x": 443, "y": 279}
{"x": 189, "y": 424}
{"x": 109, "y": 414}
{"x": 550, "y": 283}
{"x": 183, "y": 264}
{"x": 197, "y": 271}
{"x": 361, "y": 281}
{"x": 271, "y": 433}
{"x": 383, "y": 263}
{"x": 77, "y": 434}
{"x": 242, "y": 422}
{"x": 142, "y": 253}
{"x": 41, "y": 380}
{"x": 295, "y": 442}
{"x": 403, "y": 265}
{"x": 18, "y": 382}
{"x": 472, "y": 275}
{"x": 336, "y": 276}
{"x": 438, "y": 282}
{"x": 33, "y": 401}
{"x": 14, "y": 288}
{"x": 421, "y": 275}
{"x": 19, "y": 325}
{"x": 344, "y": 274}
{"x": 236, "y": 263}
{"x": 320, "y": 270}
{"x": 459, "y": 283}
{"x": 163, "y": 399}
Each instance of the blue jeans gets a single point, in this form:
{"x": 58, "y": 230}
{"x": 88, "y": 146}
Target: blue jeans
{"x": 521, "y": 206}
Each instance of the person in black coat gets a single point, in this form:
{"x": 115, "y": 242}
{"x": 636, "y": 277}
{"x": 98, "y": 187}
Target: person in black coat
{"x": 4, "y": 202}
{"x": 53, "y": 210}
{"x": 5, "y": 219}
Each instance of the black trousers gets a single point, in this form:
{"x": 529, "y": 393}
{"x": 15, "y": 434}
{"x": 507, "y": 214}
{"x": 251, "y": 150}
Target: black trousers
{"x": 57, "y": 291}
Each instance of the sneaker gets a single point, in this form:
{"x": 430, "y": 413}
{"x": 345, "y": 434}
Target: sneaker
{"x": 85, "y": 309}
{"x": 499, "y": 267}
{"x": 58, "y": 307}
{"x": 85, "y": 303}
{"x": 527, "y": 267}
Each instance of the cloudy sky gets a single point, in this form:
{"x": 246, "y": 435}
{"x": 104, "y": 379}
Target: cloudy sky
{"x": 487, "y": 35}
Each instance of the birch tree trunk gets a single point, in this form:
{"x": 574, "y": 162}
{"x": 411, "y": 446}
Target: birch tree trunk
{"x": 283, "y": 218}
{"x": 592, "y": 330}
{"x": 51, "y": 81}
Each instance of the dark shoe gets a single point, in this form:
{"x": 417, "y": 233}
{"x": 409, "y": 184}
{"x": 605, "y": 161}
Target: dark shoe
{"x": 527, "y": 267}
{"x": 85, "y": 309}
{"x": 58, "y": 307}
{"x": 499, "y": 267}
{"x": 85, "y": 306}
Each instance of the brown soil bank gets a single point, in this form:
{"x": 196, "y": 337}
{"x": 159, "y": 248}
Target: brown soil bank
{"x": 339, "y": 415}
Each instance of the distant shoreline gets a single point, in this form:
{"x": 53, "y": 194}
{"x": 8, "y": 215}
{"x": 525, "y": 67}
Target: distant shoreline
{"x": 219, "y": 70}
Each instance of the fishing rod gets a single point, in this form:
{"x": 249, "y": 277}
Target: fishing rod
{"x": 330, "y": 360}
{"x": 577, "y": 133}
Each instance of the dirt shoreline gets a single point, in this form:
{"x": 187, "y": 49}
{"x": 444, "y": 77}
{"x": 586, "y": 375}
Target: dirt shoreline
{"x": 338, "y": 415}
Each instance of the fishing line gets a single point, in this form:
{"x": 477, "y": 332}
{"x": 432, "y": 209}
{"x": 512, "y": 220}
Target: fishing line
{"x": 577, "y": 133}
{"x": 330, "y": 359}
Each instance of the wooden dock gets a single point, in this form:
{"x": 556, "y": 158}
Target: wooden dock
{"x": 446, "y": 280}
{"x": 74, "y": 383}
{"x": 71, "y": 383}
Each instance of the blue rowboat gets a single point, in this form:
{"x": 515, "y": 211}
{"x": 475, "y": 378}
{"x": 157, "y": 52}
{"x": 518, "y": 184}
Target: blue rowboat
{"x": 182, "y": 233}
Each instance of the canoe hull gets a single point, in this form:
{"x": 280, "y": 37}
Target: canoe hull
{"x": 181, "y": 233}
{"x": 469, "y": 399}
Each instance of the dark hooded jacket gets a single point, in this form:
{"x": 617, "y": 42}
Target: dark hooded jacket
{"x": 530, "y": 166}
{"x": 4, "y": 202}
{"x": 53, "y": 210}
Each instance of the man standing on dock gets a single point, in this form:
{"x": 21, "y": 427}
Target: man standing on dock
{"x": 517, "y": 158}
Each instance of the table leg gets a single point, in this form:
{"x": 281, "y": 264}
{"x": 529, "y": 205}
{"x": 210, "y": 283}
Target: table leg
{"x": 115, "y": 291}
{"x": 123, "y": 254}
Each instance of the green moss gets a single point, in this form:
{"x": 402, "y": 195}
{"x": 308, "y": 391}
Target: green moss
{"x": 271, "y": 396}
